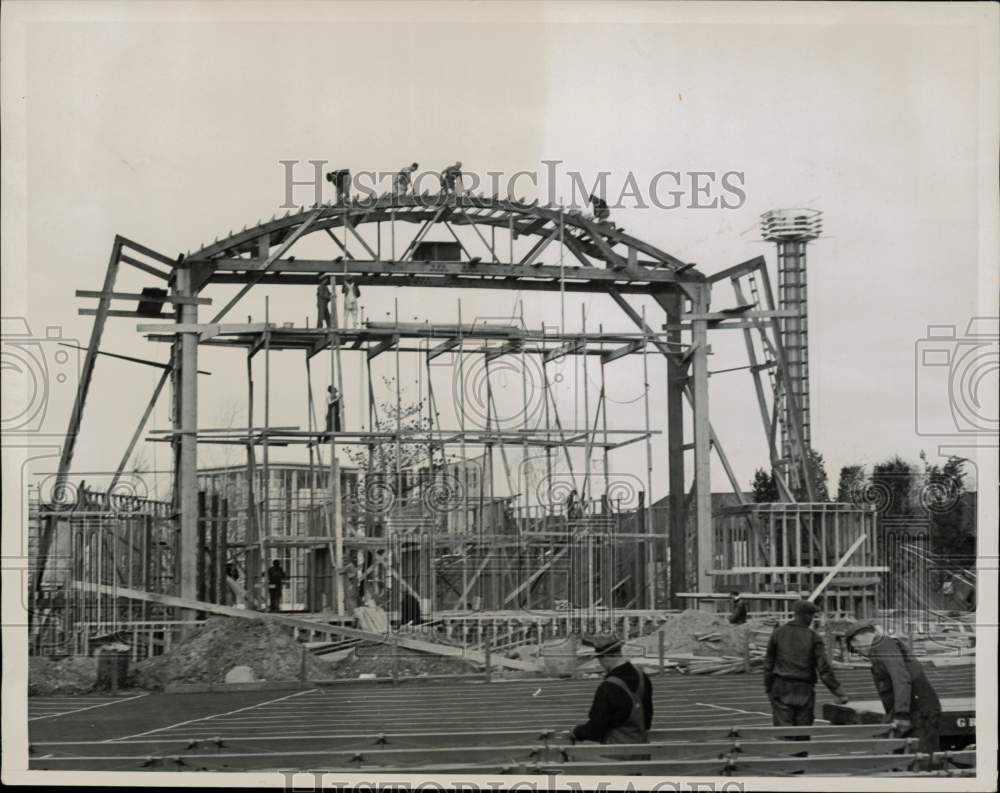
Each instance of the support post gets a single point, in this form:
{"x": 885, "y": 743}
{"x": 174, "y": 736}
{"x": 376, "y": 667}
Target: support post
{"x": 223, "y": 557}
{"x": 187, "y": 469}
{"x": 217, "y": 573}
{"x": 200, "y": 554}
{"x": 702, "y": 440}
{"x": 677, "y": 513}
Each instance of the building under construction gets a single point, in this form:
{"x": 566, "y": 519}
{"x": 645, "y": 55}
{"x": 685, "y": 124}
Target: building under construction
{"x": 491, "y": 513}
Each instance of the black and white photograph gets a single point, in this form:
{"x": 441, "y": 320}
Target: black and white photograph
{"x": 460, "y": 396}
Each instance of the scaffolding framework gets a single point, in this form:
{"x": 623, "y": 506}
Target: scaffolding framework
{"x": 505, "y": 564}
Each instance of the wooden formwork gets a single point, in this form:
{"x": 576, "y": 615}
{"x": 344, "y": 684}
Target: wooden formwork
{"x": 782, "y": 548}
{"x": 100, "y": 539}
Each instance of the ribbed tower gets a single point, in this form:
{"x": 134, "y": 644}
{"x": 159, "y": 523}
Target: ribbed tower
{"x": 792, "y": 229}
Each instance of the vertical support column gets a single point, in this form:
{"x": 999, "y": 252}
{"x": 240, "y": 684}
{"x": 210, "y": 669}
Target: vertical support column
{"x": 216, "y": 579}
{"x": 223, "y": 556}
{"x": 677, "y": 516}
{"x": 335, "y": 501}
{"x": 187, "y": 469}
{"x": 200, "y": 553}
{"x": 147, "y": 562}
{"x": 702, "y": 439}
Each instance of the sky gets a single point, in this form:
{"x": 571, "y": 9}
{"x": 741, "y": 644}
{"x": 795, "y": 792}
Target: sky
{"x": 166, "y": 123}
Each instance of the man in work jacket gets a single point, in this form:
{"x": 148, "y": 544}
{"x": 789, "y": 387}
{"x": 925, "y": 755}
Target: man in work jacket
{"x": 738, "y": 616}
{"x": 622, "y": 710}
{"x": 907, "y": 695}
{"x": 795, "y": 658}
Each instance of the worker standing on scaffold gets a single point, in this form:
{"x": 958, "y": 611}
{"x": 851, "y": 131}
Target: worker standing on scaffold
{"x": 276, "y": 577}
{"x": 738, "y": 615}
{"x": 351, "y": 295}
{"x": 451, "y": 178}
{"x": 323, "y": 304}
{"x": 403, "y": 179}
{"x": 332, "y": 409}
{"x": 341, "y": 180}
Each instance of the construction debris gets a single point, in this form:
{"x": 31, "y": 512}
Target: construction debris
{"x": 557, "y": 658}
{"x": 369, "y": 659}
{"x": 372, "y": 619}
{"x": 73, "y": 675}
{"x": 696, "y": 633}
{"x": 268, "y": 649}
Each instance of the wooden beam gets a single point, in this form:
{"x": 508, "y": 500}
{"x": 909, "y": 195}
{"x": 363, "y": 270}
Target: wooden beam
{"x": 382, "y": 346}
{"x": 83, "y": 388}
{"x": 442, "y": 348}
{"x": 793, "y": 569}
{"x": 129, "y": 358}
{"x": 274, "y": 257}
{"x": 432, "y": 648}
{"x": 481, "y": 279}
{"x": 93, "y": 312}
{"x": 536, "y": 575}
{"x": 837, "y": 568}
{"x": 570, "y": 347}
{"x": 174, "y": 299}
{"x": 621, "y": 352}
{"x": 160, "y": 257}
{"x": 475, "y": 577}
{"x": 505, "y": 349}
{"x": 167, "y": 371}
{"x": 146, "y": 268}
{"x": 434, "y": 267}
{"x": 741, "y": 312}
{"x": 209, "y": 328}
{"x": 738, "y": 270}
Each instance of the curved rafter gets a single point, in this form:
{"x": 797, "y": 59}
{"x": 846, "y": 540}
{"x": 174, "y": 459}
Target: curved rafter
{"x": 585, "y": 238}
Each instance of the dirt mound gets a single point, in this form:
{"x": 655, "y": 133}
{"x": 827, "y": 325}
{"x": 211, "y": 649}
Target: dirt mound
{"x": 73, "y": 675}
{"x": 558, "y": 658}
{"x": 695, "y": 632}
{"x": 224, "y": 642}
{"x": 377, "y": 659}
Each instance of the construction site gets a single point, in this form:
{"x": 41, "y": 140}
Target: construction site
{"x": 440, "y": 532}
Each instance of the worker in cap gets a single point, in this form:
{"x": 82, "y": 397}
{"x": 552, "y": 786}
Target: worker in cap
{"x": 738, "y": 615}
{"x": 795, "y": 658}
{"x": 451, "y": 178}
{"x": 907, "y": 695}
{"x": 622, "y": 710}
{"x": 404, "y": 178}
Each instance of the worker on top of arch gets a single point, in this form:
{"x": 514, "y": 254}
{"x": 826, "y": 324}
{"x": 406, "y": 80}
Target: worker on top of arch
{"x": 404, "y": 179}
{"x": 341, "y": 180}
{"x": 451, "y": 178}
{"x": 601, "y": 211}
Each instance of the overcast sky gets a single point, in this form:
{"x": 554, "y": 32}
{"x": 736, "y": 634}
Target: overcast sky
{"x": 166, "y": 124}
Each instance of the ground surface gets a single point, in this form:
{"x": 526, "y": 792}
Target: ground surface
{"x": 294, "y": 729}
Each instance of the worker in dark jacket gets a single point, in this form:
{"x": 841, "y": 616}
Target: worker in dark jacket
{"x": 795, "y": 657}
{"x": 276, "y": 577}
{"x": 738, "y": 616}
{"x": 907, "y": 695}
{"x": 622, "y": 710}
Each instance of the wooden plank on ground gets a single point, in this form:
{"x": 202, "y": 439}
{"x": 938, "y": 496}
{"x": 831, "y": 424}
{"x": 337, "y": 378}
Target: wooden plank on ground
{"x": 719, "y": 767}
{"x": 432, "y": 648}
